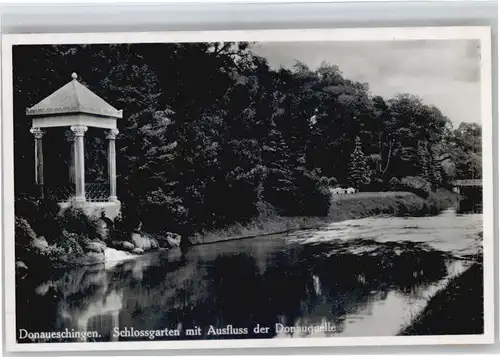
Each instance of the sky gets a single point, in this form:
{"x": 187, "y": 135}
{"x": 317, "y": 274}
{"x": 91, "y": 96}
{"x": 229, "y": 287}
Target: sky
{"x": 444, "y": 73}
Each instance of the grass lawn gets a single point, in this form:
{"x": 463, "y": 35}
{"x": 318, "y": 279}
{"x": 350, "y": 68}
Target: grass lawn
{"x": 358, "y": 195}
{"x": 343, "y": 207}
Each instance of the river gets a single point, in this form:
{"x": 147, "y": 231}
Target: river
{"x": 365, "y": 277}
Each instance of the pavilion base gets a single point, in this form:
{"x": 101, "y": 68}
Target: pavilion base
{"x": 94, "y": 209}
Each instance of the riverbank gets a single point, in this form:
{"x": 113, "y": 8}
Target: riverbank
{"x": 343, "y": 207}
{"x": 83, "y": 247}
{"x": 455, "y": 310}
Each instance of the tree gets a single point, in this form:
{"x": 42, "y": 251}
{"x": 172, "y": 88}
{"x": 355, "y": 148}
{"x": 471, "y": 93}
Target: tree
{"x": 423, "y": 160}
{"x": 211, "y": 132}
{"x": 436, "y": 177}
{"x": 359, "y": 174}
{"x": 463, "y": 148}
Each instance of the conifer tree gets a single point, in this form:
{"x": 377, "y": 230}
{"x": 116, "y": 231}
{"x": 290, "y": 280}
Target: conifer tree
{"x": 436, "y": 176}
{"x": 359, "y": 173}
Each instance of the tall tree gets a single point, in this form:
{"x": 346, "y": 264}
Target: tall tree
{"x": 359, "y": 174}
{"x": 423, "y": 160}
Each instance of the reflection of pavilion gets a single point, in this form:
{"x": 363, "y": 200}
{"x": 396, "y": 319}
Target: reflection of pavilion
{"x": 98, "y": 299}
{"x": 78, "y": 108}
{"x": 102, "y": 316}
{"x": 95, "y": 312}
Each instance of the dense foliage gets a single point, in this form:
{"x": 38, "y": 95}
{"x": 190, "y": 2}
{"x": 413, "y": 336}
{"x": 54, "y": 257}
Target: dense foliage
{"x": 48, "y": 238}
{"x": 212, "y": 135}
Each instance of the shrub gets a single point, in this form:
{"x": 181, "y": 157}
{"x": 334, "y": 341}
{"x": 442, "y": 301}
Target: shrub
{"x": 440, "y": 201}
{"x": 74, "y": 220}
{"x": 42, "y": 215}
{"x": 57, "y": 254}
{"x": 24, "y": 234}
{"x": 68, "y": 233}
{"x": 71, "y": 243}
{"x": 415, "y": 184}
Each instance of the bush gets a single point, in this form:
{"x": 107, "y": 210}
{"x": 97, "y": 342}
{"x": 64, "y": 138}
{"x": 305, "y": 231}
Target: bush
{"x": 72, "y": 243}
{"x": 440, "y": 200}
{"x": 42, "y": 216}
{"x": 24, "y": 234}
{"x": 74, "y": 220}
{"x": 57, "y": 254}
{"x": 30, "y": 249}
{"x": 415, "y": 184}
{"x": 68, "y": 233}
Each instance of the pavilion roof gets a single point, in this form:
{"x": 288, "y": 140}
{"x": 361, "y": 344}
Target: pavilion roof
{"x": 74, "y": 98}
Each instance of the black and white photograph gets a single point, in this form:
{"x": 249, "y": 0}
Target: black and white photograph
{"x": 248, "y": 189}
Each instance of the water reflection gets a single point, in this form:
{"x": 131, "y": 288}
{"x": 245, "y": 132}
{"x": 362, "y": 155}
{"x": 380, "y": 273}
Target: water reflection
{"x": 357, "y": 287}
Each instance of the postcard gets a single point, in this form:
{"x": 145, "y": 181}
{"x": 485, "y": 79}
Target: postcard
{"x": 267, "y": 188}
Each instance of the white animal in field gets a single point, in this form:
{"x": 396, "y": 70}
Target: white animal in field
{"x": 338, "y": 191}
{"x": 350, "y": 190}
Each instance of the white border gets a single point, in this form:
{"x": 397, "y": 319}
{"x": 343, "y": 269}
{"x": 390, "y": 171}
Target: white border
{"x": 481, "y": 33}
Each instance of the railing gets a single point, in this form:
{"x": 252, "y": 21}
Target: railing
{"x": 94, "y": 192}
{"x": 472, "y": 182}
{"x": 97, "y": 192}
{"x": 61, "y": 193}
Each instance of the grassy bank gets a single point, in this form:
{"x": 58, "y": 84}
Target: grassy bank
{"x": 455, "y": 310}
{"x": 343, "y": 207}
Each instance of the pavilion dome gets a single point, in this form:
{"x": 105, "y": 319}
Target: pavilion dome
{"x": 74, "y": 98}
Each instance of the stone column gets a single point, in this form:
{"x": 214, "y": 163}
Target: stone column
{"x": 111, "y": 136}
{"x": 79, "y": 132}
{"x": 38, "y": 134}
{"x": 71, "y": 140}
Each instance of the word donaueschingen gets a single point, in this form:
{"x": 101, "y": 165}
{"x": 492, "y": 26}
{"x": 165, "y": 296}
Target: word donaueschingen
{"x": 54, "y": 335}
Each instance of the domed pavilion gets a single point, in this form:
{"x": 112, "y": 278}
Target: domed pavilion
{"x": 77, "y": 108}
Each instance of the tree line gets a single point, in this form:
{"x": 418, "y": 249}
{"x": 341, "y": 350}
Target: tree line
{"x": 212, "y": 135}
